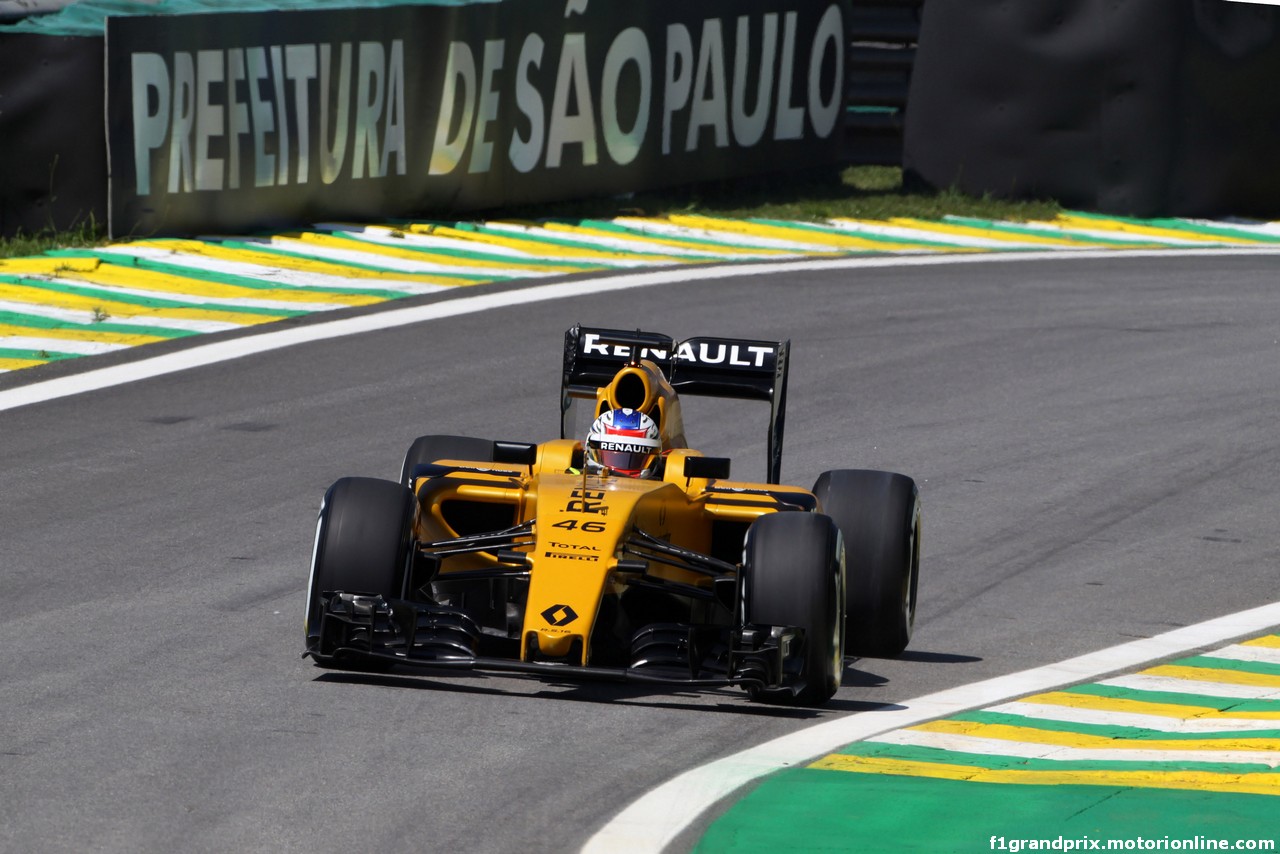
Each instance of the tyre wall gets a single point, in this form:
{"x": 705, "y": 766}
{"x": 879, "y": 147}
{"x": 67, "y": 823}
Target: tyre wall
{"x": 1145, "y": 107}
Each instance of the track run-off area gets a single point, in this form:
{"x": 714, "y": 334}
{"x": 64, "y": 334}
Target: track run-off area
{"x": 1171, "y": 742}
{"x": 78, "y": 302}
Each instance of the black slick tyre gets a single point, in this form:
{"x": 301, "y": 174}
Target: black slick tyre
{"x": 879, "y": 514}
{"x": 428, "y": 449}
{"x": 363, "y": 540}
{"x": 793, "y": 575}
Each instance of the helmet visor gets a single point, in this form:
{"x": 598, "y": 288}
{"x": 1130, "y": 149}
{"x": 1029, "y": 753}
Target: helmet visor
{"x": 632, "y": 462}
{"x": 624, "y": 454}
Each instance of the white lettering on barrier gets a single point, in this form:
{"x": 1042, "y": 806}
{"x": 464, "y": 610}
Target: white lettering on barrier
{"x": 333, "y": 155}
{"x": 195, "y": 107}
{"x": 576, "y": 125}
{"x": 282, "y": 125}
{"x": 482, "y": 152}
{"x": 182, "y": 103}
{"x": 460, "y": 68}
{"x": 788, "y": 121}
{"x": 830, "y": 33}
{"x": 300, "y": 69}
{"x": 696, "y": 85}
{"x": 524, "y": 154}
{"x": 238, "y": 124}
{"x": 147, "y": 74}
{"x": 710, "y": 103}
{"x": 678, "y": 82}
{"x": 183, "y": 115}
{"x": 748, "y": 128}
{"x": 629, "y": 48}
{"x": 209, "y": 122}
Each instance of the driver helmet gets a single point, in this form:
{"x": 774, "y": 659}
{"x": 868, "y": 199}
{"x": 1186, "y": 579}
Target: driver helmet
{"x": 626, "y": 442}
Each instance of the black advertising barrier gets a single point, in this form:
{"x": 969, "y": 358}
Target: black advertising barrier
{"x": 53, "y": 156}
{"x": 1145, "y": 108}
{"x": 229, "y": 122}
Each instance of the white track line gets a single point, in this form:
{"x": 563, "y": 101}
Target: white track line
{"x": 268, "y": 339}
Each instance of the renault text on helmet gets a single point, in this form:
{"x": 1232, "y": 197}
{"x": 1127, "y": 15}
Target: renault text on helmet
{"x": 624, "y": 441}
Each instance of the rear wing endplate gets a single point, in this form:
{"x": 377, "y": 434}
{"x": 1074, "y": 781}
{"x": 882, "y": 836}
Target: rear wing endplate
{"x": 712, "y": 367}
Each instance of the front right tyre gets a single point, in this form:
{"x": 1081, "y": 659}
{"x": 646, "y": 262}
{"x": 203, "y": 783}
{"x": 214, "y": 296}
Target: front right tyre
{"x": 879, "y": 514}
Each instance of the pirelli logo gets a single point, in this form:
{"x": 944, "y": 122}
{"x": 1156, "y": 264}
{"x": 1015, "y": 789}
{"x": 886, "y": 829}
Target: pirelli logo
{"x": 571, "y": 556}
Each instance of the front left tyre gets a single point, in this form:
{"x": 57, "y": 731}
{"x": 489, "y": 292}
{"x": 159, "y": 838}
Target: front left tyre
{"x": 363, "y": 543}
{"x": 793, "y": 575}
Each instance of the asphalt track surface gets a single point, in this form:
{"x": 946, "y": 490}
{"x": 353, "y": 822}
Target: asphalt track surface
{"x": 1094, "y": 438}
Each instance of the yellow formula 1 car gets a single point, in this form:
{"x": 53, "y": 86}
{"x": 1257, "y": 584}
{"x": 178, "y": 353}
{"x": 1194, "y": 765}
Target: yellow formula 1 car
{"x": 623, "y": 554}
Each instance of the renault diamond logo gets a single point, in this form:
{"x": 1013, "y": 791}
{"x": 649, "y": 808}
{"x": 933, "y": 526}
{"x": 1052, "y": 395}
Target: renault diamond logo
{"x": 559, "y": 615}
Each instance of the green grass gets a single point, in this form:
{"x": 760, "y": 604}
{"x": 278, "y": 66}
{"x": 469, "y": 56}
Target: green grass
{"x": 88, "y": 233}
{"x": 866, "y": 192}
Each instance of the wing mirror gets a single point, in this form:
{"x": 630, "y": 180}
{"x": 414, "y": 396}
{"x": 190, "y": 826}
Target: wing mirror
{"x": 515, "y": 453}
{"x": 716, "y": 468}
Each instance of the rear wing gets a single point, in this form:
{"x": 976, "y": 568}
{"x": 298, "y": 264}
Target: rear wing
{"x": 712, "y": 367}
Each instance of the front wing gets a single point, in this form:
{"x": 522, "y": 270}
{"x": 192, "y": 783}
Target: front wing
{"x": 357, "y": 629}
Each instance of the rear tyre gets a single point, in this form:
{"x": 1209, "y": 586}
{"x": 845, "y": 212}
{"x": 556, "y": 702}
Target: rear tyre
{"x": 428, "y": 449}
{"x": 879, "y": 514}
{"x": 793, "y": 575}
{"x": 362, "y": 544}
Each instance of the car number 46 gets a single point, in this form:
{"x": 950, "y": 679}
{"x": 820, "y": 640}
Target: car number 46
{"x": 575, "y": 525}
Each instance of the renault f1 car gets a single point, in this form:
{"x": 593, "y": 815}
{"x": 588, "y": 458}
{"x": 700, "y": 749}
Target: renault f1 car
{"x": 527, "y": 558}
